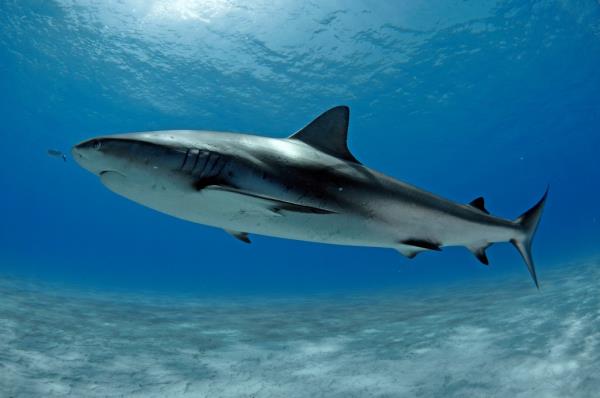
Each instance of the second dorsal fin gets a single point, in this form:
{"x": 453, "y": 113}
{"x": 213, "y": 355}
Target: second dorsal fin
{"x": 479, "y": 203}
{"x": 328, "y": 133}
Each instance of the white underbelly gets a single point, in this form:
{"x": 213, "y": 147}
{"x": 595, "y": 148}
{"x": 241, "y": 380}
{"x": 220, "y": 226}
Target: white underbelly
{"x": 227, "y": 211}
{"x": 387, "y": 225}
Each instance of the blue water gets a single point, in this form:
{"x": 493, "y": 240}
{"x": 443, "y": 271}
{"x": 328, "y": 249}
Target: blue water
{"x": 462, "y": 98}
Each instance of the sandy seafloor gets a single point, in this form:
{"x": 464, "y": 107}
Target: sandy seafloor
{"x": 499, "y": 338}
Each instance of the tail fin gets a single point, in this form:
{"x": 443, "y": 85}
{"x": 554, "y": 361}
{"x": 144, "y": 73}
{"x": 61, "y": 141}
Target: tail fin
{"x": 528, "y": 222}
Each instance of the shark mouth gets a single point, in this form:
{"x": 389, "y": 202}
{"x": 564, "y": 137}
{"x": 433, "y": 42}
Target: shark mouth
{"x": 112, "y": 178}
{"x": 104, "y": 173}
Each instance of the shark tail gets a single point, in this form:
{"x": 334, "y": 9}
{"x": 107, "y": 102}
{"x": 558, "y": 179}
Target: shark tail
{"x": 528, "y": 223}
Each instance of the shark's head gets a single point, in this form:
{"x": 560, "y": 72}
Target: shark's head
{"x": 128, "y": 154}
{"x": 136, "y": 164}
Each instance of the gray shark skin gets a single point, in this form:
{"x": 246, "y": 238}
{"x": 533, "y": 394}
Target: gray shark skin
{"x": 306, "y": 187}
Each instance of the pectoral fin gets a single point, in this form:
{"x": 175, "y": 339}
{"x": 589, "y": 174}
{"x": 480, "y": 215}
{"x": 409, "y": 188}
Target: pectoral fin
{"x": 272, "y": 205}
{"x": 292, "y": 207}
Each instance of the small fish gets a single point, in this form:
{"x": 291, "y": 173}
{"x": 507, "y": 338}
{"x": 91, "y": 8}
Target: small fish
{"x": 57, "y": 154}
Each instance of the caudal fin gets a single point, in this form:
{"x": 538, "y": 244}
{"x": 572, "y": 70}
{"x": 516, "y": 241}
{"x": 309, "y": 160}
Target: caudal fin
{"x": 528, "y": 222}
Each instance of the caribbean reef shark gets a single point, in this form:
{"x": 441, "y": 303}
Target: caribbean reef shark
{"x": 307, "y": 186}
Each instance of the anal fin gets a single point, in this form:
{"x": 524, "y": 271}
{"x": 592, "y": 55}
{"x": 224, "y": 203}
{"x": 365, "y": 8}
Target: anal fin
{"x": 479, "y": 253}
{"x": 482, "y": 257}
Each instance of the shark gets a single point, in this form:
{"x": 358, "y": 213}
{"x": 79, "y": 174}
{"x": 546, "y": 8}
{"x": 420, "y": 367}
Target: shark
{"x": 307, "y": 186}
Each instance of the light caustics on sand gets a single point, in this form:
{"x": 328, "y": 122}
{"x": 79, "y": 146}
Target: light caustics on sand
{"x": 497, "y": 340}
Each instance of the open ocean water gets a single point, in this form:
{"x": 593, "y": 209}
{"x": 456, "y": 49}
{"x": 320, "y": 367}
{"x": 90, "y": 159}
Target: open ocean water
{"x": 101, "y": 297}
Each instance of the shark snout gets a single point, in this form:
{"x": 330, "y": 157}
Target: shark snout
{"x": 83, "y": 152}
{"x": 89, "y": 145}
{"x": 127, "y": 154}
{"x": 89, "y": 155}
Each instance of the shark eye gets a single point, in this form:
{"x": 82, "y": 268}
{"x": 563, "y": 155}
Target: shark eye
{"x": 96, "y": 144}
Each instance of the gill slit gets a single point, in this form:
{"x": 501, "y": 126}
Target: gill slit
{"x": 184, "y": 159}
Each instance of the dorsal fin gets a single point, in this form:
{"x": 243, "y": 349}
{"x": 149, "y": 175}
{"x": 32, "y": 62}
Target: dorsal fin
{"x": 328, "y": 133}
{"x": 479, "y": 203}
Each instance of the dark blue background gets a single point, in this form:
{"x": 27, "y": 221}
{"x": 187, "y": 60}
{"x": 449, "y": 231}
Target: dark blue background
{"x": 462, "y": 99}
